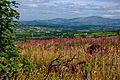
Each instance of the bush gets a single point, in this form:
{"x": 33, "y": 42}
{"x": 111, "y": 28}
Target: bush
{"x": 13, "y": 66}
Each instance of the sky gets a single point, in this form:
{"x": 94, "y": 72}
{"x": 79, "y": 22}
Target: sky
{"x": 49, "y": 9}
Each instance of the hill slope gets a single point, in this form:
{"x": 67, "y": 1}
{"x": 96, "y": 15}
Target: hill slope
{"x": 92, "y": 23}
{"x": 92, "y": 20}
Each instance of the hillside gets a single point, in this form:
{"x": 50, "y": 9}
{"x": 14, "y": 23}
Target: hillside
{"x": 92, "y": 23}
{"x": 92, "y": 20}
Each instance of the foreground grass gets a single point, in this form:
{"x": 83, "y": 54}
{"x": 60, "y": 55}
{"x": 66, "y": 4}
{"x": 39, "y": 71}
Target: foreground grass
{"x": 66, "y": 55}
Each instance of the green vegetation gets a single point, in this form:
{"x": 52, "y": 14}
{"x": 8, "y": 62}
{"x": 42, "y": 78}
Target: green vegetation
{"x": 12, "y": 65}
{"x": 37, "y": 32}
{"x": 7, "y": 14}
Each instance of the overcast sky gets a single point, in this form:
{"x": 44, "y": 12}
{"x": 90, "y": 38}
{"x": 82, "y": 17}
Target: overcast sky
{"x": 49, "y": 9}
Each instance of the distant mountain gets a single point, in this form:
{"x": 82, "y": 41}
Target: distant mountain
{"x": 92, "y": 23}
{"x": 80, "y": 21}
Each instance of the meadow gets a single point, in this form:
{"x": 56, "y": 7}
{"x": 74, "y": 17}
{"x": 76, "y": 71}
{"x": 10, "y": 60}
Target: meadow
{"x": 69, "y": 58}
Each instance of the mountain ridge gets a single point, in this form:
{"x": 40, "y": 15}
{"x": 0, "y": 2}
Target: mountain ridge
{"x": 91, "y": 20}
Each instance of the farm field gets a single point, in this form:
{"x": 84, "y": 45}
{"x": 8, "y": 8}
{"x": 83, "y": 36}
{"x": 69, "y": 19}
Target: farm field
{"x": 43, "y": 32}
{"x": 72, "y": 59}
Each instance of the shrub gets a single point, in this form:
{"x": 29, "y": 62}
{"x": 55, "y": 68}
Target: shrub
{"x": 13, "y": 66}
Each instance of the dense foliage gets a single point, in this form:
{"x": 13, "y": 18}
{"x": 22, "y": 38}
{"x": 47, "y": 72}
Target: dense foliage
{"x": 7, "y": 16}
{"x": 12, "y": 65}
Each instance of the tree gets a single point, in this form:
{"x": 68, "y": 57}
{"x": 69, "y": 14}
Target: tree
{"x": 11, "y": 65}
{"x": 8, "y": 15}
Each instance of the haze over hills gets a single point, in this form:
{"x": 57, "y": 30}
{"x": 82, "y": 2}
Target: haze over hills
{"x": 94, "y": 22}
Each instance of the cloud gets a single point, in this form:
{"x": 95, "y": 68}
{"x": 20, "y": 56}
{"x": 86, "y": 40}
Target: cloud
{"x": 46, "y": 9}
{"x": 30, "y": 5}
{"x": 116, "y": 1}
{"x": 34, "y": 1}
{"x": 82, "y": 6}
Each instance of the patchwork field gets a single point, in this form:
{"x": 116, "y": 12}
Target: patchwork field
{"x": 73, "y": 59}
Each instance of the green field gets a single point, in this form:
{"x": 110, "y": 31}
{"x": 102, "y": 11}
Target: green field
{"x": 38, "y": 32}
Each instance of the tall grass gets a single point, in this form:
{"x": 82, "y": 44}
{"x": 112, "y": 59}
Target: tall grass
{"x": 40, "y": 53}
